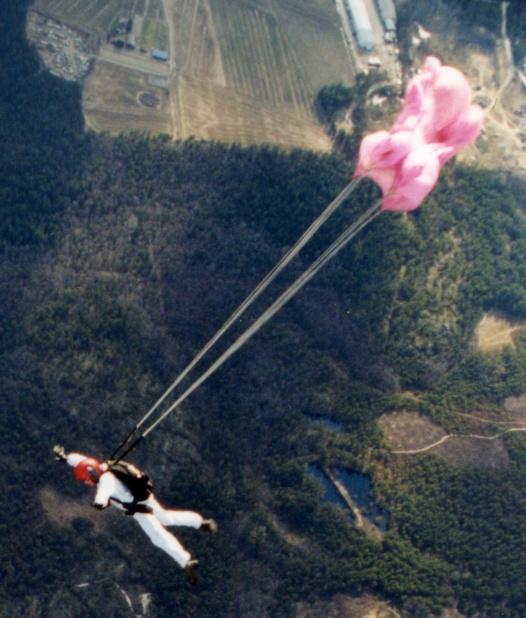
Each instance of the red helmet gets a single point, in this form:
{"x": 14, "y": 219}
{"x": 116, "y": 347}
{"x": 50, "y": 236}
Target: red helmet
{"x": 88, "y": 471}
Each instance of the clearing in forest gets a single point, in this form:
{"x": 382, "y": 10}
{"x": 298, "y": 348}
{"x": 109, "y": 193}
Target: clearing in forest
{"x": 116, "y": 100}
{"x": 365, "y": 606}
{"x": 244, "y": 71}
{"x": 407, "y": 434}
{"x": 494, "y": 333}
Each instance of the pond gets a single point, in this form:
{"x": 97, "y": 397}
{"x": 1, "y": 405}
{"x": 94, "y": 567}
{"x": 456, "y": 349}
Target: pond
{"x": 327, "y": 423}
{"x": 360, "y": 489}
{"x": 330, "y": 493}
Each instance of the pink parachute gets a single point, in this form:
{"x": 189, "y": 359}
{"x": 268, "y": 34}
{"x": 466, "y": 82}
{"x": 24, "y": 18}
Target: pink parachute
{"x": 436, "y": 122}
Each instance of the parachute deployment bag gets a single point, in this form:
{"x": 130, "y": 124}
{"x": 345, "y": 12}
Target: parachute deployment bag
{"x": 138, "y": 483}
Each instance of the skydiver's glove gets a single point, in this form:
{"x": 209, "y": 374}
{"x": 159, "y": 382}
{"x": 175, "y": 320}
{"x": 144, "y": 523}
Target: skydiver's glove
{"x": 99, "y": 507}
{"x": 59, "y": 452}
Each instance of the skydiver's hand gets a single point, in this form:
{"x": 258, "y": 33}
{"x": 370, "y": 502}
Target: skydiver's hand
{"x": 59, "y": 452}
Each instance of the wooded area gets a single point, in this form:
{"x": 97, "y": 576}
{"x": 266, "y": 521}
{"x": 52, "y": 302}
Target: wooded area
{"x": 121, "y": 256}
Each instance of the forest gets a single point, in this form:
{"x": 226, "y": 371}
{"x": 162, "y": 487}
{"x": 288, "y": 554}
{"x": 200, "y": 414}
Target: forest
{"x": 120, "y": 258}
{"x": 488, "y": 14}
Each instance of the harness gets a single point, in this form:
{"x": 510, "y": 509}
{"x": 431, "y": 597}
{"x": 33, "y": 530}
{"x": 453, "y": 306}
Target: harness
{"x": 136, "y": 482}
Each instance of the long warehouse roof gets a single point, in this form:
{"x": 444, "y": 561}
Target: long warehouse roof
{"x": 362, "y": 24}
{"x": 388, "y": 13}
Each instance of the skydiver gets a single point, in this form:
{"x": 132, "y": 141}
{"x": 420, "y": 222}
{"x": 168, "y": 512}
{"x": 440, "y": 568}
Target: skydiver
{"x": 130, "y": 490}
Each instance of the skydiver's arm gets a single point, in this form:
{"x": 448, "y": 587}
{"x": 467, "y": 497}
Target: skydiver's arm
{"x": 105, "y": 489}
{"x": 73, "y": 459}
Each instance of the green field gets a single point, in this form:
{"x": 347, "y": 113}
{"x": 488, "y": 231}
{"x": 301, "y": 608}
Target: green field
{"x": 95, "y": 16}
{"x": 155, "y": 9}
{"x": 154, "y": 34}
{"x": 100, "y": 16}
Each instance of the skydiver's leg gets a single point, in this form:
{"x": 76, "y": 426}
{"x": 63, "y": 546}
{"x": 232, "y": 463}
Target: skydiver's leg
{"x": 163, "y": 539}
{"x": 172, "y": 517}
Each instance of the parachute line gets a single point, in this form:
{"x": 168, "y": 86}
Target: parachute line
{"x": 291, "y": 291}
{"x": 256, "y": 292}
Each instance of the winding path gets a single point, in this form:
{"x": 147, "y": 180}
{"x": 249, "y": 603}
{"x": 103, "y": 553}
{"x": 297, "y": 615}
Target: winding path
{"x": 457, "y": 435}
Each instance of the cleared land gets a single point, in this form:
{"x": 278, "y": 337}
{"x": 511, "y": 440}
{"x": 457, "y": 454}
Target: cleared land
{"x": 409, "y": 434}
{"x": 494, "y": 333}
{"x": 249, "y": 70}
{"x": 244, "y": 71}
{"x": 343, "y": 606}
{"x": 203, "y": 108}
{"x": 407, "y": 430}
{"x": 112, "y": 101}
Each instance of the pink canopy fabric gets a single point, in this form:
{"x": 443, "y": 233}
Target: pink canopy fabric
{"x": 436, "y": 122}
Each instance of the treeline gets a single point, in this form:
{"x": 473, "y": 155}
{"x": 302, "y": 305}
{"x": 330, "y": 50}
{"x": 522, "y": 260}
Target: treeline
{"x": 489, "y": 15}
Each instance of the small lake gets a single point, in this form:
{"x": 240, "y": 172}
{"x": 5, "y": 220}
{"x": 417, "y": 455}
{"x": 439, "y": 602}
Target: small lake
{"x": 359, "y": 487}
{"x": 327, "y": 423}
{"x": 330, "y": 493}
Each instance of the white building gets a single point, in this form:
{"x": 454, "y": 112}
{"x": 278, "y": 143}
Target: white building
{"x": 363, "y": 29}
{"x": 387, "y": 12}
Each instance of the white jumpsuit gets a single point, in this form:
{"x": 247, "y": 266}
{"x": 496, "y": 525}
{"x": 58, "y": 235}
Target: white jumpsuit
{"x": 109, "y": 486}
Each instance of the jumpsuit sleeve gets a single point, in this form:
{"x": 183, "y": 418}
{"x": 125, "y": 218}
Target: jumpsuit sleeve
{"x": 105, "y": 489}
{"x": 74, "y": 459}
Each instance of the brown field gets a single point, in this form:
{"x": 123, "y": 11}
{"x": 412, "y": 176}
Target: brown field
{"x": 408, "y": 431}
{"x": 196, "y": 45}
{"x": 249, "y": 70}
{"x": 202, "y": 107}
{"x": 343, "y": 606}
{"x": 473, "y": 453}
{"x": 116, "y": 122}
{"x": 312, "y": 28}
{"x": 494, "y": 333}
{"x": 111, "y": 101}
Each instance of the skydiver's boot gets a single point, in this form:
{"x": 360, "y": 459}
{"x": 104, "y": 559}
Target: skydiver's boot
{"x": 189, "y": 569}
{"x": 209, "y": 525}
